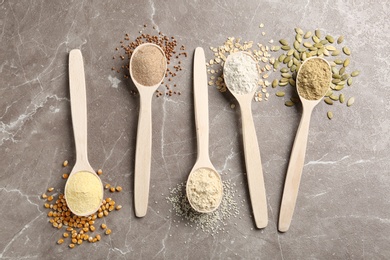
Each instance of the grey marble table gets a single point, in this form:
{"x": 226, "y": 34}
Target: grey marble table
{"x": 343, "y": 208}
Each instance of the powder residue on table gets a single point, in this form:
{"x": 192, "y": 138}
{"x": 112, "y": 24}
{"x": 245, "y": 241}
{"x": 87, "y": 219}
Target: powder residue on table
{"x": 314, "y": 79}
{"x": 241, "y": 73}
{"x": 213, "y": 222}
{"x": 148, "y": 65}
{"x": 204, "y": 189}
{"x": 83, "y": 193}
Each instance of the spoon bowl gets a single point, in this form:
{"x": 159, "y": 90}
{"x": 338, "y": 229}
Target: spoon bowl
{"x": 297, "y": 158}
{"x": 143, "y": 151}
{"x": 203, "y": 163}
{"x": 251, "y": 147}
{"x": 78, "y": 102}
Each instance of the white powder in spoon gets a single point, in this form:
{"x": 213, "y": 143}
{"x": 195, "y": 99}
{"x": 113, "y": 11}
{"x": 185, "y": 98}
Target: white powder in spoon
{"x": 241, "y": 74}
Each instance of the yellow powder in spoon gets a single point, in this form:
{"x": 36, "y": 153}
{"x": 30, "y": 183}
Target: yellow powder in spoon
{"x": 314, "y": 79}
{"x": 83, "y": 193}
{"x": 148, "y": 65}
{"x": 204, "y": 189}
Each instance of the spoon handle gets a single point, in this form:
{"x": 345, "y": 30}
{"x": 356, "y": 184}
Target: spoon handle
{"x": 201, "y": 105}
{"x": 143, "y": 152}
{"x": 294, "y": 172}
{"x": 254, "y": 167}
{"x": 78, "y": 102}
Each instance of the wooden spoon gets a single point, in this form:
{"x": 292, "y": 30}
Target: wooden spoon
{"x": 297, "y": 158}
{"x": 202, "y": 125}
{"x": 252, "y": 153}
{"x": 144, "y": 138}
{"x": 78, "y": 102}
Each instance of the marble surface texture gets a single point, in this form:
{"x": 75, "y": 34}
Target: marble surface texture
{"x": 343, "y": 208}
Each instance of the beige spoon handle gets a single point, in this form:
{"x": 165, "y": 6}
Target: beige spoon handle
{"x": 201, "y": 106}
{"x": 254, "y": 167}
{"x": 143, "y": 153}
{"x": 78, "y": 101}
{"x": 294, "y": 172}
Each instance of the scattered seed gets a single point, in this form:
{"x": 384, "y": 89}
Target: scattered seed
{"x": 299, "y": 30}
{"x": 346, "y": 50}
{"x": 318, "y": 33}
{"x": 118, "y": 207}
{"x": 71, "y": 245}
{"x": 50, "y": 189}
{"x": 112, "y": 189}
{"x": 283, "y": 42}
{"x": 334, "y": 97}
{"x": 289, "y": 103}
{"x": 108, "y": 231}
{"x": 285, "y": 48}
{"x": 44, "y": 196}
{"x": 66, "y": 234}
{"x": 65, "y": 176}
{"x": 329, "y": 38}
{"x": 340, "y": 39}
{"x": 60, "y": 241}
{"x": 328, "y": 101}
{"x": 118, "y": 188}
{"x": 350, "y": 101}
{"x": 330, "y": 115}
{"x": 274, "y": 83}
{"x": 65, "y": 163}
{"x": 355, "y": 73}
{"x": 346, "y": 62}
{"x": 349, "y": 81}
{"x": 280, "y": 94}
{"x": 99, "y": 172}
{"x": 341, "y": 98}
{"x": 307, "y": 35}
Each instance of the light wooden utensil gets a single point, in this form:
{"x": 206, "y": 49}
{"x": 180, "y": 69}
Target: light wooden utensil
{"x": 202, "y": 121}
{"x": 252, "y": 155}
{"x": 297, "y": 159}
{"x": 78, "y": 104}
{"x": 143, "y": 151}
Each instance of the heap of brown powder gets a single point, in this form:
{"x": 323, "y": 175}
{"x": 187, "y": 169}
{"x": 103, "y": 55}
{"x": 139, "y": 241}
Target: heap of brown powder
{"x": 173, "y": 53}
{"x": 314, "y": 79}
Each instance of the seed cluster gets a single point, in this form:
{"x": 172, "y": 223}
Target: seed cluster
{"x": 213, "y": 222}
{"x": 77, "y": 229}
{"x": 169, "y": 45}
{"x": 261, "y": 53}
{"x": 308, "y": 44}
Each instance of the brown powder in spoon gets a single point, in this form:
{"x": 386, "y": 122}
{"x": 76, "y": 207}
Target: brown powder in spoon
{"x": 148, "y": 65}
{"x": 314, "y": 79}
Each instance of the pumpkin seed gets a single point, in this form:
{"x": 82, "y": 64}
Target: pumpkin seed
{"x": 330, "y": 48}
{"x": 324, "y": 42}
{"x": 341, "y": 98}
{"x": 355, "y": 73}
{"x": 328, "y": 101}
{"x": 307, "y": 35}
{"x": 329, "y": 38}
{"x": 335, "y": 71}
{"x": 332, "y": 64}
{"x": 330, "y": 115}
{"x": 334, "y": 97}
{"x": 344, "y": 76}
{"x": 326, "y": 52}
{"x": 276, "y": 48}
{"x": 303, "y": 57}
{"x": 296, "y": 45}
{"x": 285, "y": 48}
{"x": 320, "y": 51}
{"x": 318, "y": 33}
{"x": 283, "y": 84}
{"x": 287, "y": 59}
{"x": 340, "y": 39}
{"x": 338, "y": 87}
{"x": 284, "y": 80}
{"x": 302, "y": 49}
{"x": 318, "y": 45}
{"x": 298, "y": 30}
{"x": 284, "y": 70}
{"x": 342, "y": 70}
{"x": 290, "y": 52}
{"x": 296, "y": 55}
{"x": 292, "y": 82}
{"x": 346, "y": 50}
{"x": 338, "y": 62}
{"x": 289, "y": 103}
{"x": 312, "y": 48}
{"x": 315, "y": 39}
{"x": 290, "y": 63}
{"x": 293, "y": 68}
{"x": 283, "y": 42}
{"x": 274, "y": 83}
{"x": 330, "y": 92}
{"x": 313, "y": 53}
{"x": 307, "y": 44}
{"x": 349, "y": 81}
{"x": 286, "y": 75}
{"x": 280, "y": 94}
{"x": 335, "y": 53}
{"x": 281, "y": 57}
{"x": 335, "y": 81}
{"x": 294, "y": 99}
{"x": 336, "y": 76}
{"x": 276, "y": 64}
{"x": 350, "y": 101}
{"x": 298, "y": 37}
